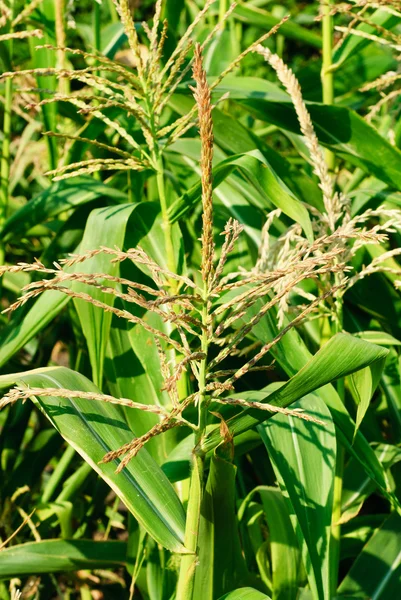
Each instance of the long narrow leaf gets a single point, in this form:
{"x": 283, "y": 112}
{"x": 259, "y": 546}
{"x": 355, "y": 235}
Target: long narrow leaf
{"x": 376, "y": 572}
{"x": 304, "y": 457}
{"x": 256, "y": 167}
{"x": 103, "y": 224}
{"x": 94, "y": 428}
{"x": 342, "y": 355}
{"x": 52, "y": 556}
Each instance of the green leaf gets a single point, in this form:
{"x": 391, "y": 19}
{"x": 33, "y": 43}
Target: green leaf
{"x": 284, "y": 549}
{"x": 376, "y": 573}
{"x": 171, "y": 11}
{"x": 104, "y": 224}
{"x": 32, "y": 461}
{"x": 128, "y": 377}
{"x": 57, "y": 198}
{"x": 265, "y": 20}
{"x": 234, "y": 138}
{"x": 50, "y": 303}
{"x": 356, "y": 533}
{"x": 53, "y": 556}
{"x": 292, "y": 355}
{"x": 113, "y": 37}
{"x": 18, "y": 333}
{"x": 357, "y": 71}
{"x": 14, "y": 428}
{"x": 94, "y": 428}
{"x": 245, "y": 593}
{"x": 234, "y": 198}
{"x": 132, "y": 370}
{"x": 178, "y": 464}
{"x": 221, "y": 563}
{"x": 354, "y": 43}
{"x": 391, "y": 384}
{"x": 257, "y": 169}
{"x": 133, "y": 352}
{"x": 64, "y": 513}
{"x": 43, "y": 58}
{"x": 363, "y": 385}
{"x": 378, "y": 337}
{"x": 161, "y": 581}
{"x": 222, "y": 50}
{"x": 338, "y": 128}
{"x": 357, "y": 486}
{"x": 341, "y": 356}
{"x": 303, "y": 455}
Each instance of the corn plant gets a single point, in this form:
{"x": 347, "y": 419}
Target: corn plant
{"x": 232, "y": 395}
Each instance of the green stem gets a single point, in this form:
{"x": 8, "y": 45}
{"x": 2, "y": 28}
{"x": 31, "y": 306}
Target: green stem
{"x": 96, "y": 26}
{"x": 113, "y": 13}
{"x": 336, "y": 516}
{"x": 326, "y": 73}
{"x": 75, "y": 482}
{"x": 202, "y": 414}
{"x": 339, "y": 474}
{"x": 157, "y": 159}
{"x": 58, "y": 474}
{"x": 186, "y": 579}
{"x": 5, "y": 153}
{"x": 59, "y": 12}
{"x": 222, "y": 10}
{"x": 168, "y": 238}
{"x": 189, "y": 562}
{"x": 5, "y": 157}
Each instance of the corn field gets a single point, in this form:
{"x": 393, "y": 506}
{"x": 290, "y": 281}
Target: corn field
{"x": 200, "y": 328}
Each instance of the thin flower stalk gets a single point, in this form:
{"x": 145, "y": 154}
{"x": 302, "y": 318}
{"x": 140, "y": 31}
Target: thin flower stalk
{"x": 124, "y": 314}
{"x": 26, "y": 12}
{"x": 292, "y": 86}
{"x": 368, "y": 36}
{"x": 270, "y": 408}
{"x": 267, "y": 347}
{"x": 18, "y": 393}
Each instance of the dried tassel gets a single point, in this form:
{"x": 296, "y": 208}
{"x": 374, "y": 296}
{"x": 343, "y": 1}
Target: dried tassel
{"x": 203, "y": 100}
{"x": 290, "y": 82}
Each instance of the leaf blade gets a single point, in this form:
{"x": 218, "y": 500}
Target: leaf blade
{"x": 94, "y": 428}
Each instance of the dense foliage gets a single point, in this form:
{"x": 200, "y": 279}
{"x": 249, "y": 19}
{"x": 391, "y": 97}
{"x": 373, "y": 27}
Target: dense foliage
{"x": 199, "y": 344}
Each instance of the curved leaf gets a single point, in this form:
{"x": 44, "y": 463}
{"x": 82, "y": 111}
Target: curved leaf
{"x": 57, "y": 198}
{"x": 303, "y": 455}
{"x": 292, "y": 354}
{"x": 245, "y": 593}
{"x": 262, "y": 176}
{"x": 340, "y": 129}
{"x": 94, "y": 428}
{"x": 283, "y": 545}
{"x": 17, "y": 334}
{"x": 363, "y": 385}
{"x": 104, "y": 224}
{"x": 110, "y": 220}
{"x": 342, "y": 355}
{"x": 52, "y": 556}
{"x": 221, "y": 562}
{"x": 357, "y": 486}
{"x": 376, "y": 573}
{"x": 261, "y": 18}
{"x": 234, "y": 138}
{"x": 353, "y": 43}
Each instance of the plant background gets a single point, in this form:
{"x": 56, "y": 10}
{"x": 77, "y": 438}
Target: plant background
{"x": 281, "y": 492}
